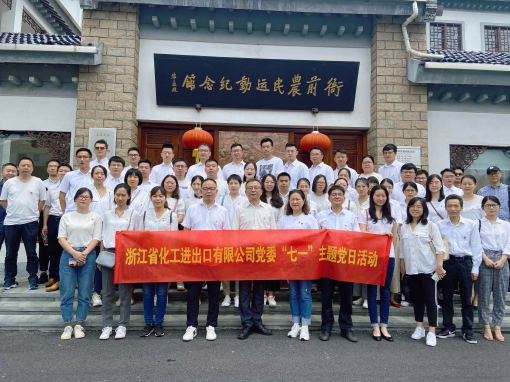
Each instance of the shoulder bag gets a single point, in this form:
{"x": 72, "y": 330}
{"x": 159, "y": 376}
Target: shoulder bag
{"x": 446, "y": 255}
{"x": 107, "y": 258}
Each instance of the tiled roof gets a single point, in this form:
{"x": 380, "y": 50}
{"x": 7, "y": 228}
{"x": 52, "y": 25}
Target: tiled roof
{"x": 39, "y": 39}
{"x": 473, "y": 57}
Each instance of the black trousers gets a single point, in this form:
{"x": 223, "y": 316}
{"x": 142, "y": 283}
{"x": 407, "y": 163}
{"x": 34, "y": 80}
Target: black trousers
{"x": 251, "y": 314}
{"x": 423, "y": 293}
{"x": 54, "y": 248}
{"x": 458, "y": 271}
{"x": 194, "y": 290}
{"x": 345, "y": 315}
{"x": 44, "y": 258}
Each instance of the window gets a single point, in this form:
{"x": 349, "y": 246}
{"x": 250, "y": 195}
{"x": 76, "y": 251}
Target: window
{"x": 497, "y": 39}
{"x": 445, "y": 36}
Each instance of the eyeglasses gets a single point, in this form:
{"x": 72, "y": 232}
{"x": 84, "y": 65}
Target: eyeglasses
{"x": 410, "y": 172}
{"x": 336, "y": 195}
{"x": 457, "y": 174}
{"x": 180, "y": 166}
{"x": 237, "y": 151}
{"x": 253, "y": 188}
{"x": 80, "y": 158}
{"x": 133, "y": 155}
{"x": 322, "y": 183}
{"x": 208, "y": 189}
{"x": 84, "y": 197}
{"x": 449, "y": 176}
{"x": 367, "y": 162}
{"x": 203, "y": 151}
{"x": 491, "y": 206}
{"x": 99, "y": 148}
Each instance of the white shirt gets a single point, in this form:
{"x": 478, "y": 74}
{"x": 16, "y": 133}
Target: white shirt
{"x": 148, "y": 186}
{"x": 227, "y": 202}
{"x": 361, "y": 207}
{"x": 72, "y": 182}
{"x": 401, "y": 214}
{"x": 285, "y": 198}
{"x": 473, "y": 209}
{"x": 53, "y": 201}
{"x": 129, "y": 221}
{"x": 463, "y": 239}
{"x": 296, "y": 170}
{"x": 49, "y": 183}
{"x": 272, "y": 166}
{"x": 192, "y": 200}
{"x": 354, "y": 175}
{"x": 380, "y": 226}
{"x": 22, "y": 200}
{"x": 167, "y": 221}
{"x": 391, "y": 171}
{"x": 159, "y": 172}
{"x": 222, "y": 187}
{"x": 201, "y": 217}
{"x": 246, "y": 217}
{"x": 351, "y": 194}
{"x": 374, "y": 174}
{"x": 439, "y": 207}
{"x": 415, "y": 248}
{"x": 180, "y": 209}
{"x": 322, "y": 202}
{"x": 100, "y": 205}
{"x": 495, "y": 237}
{"x": 199, "y": 169}
{"x": 232, "y": 168}
{"x": 140, "y": 201}
{"x": 344, "y": 220}
{"x": 110, "y": 182}
{"x": 80, "y": 229}
{"x": 299, "y": 222}
{"x": 314, "y": 210}
{"x": 103, "y": 162}
{"x": 399, "y": 196}
{"x": 453, "y": 190}
{"x": 184, "y": 188}
{"x": 321, "y": 169}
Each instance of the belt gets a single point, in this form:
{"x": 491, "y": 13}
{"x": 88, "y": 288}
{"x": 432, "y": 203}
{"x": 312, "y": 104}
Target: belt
{"x": 54, "y": 217}
{"x": 460, "y": 258}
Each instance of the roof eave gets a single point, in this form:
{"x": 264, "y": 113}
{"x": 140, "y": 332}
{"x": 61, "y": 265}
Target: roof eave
{"x": 50, "y": 54}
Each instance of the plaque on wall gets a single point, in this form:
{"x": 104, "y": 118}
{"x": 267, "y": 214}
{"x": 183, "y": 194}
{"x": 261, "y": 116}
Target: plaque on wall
{"x": 409, "y": 154}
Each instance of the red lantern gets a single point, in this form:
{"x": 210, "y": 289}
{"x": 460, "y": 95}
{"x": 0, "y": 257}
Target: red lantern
{"x": 315, "y": 139}
{"x": 193, "y": 138}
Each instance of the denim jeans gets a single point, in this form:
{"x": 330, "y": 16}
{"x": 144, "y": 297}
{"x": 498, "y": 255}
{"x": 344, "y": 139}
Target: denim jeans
{"x": 84, "y": 275}
{"x": 13, "y": 235}
{"x": 300, "y": 298}
{"x": 385, "y": 298}
{"x": 161, "y": 291}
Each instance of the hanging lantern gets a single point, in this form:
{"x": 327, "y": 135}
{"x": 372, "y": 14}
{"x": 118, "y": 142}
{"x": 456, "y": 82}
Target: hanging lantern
{"x": 315, "y": 139}
{"x": 193, "y": 138}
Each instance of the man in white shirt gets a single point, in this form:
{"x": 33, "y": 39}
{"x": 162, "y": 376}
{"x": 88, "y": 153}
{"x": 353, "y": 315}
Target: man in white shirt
{"x": 145, "y": 166}
{"x": 116, "y": 166}
{"x": 448, "y": 176}
{"x": 9, "y": 171}
{"x": 204, "y": 153}
{"x": 75, "y": 180}
{"x": 100, "y": 149}
{"x": 237, "y": 164}
{"x": 465, "y": 250}
{"x": 252, "y": 214}
{"x": 166, "y": 168}
{"x": 133, "y": 157}
{"x": 407, "y": 174}
{"x": 284, "y": 185}
{"x": 337, "y": 218}
{"x": 318, "y": 167}
{"x": 391, "y": 170}
{"x": 269, "y": 164}
{"x": 341, "y": 162}
{"x": 211, "y": 172}
{"x": 23, "y": 198}
{"x": 180, "y": 166}
{"x": 293, "y": 167}
{"x": 205, "y": 215}
{"x": 51, "y": 169}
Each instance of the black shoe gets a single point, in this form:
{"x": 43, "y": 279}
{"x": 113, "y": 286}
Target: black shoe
{"x": 247, "y": 331}
{"x": 158, "y": 330}
{"x": 43, "y": 278}
{"x": 387, "y": 338}
{"x": 262, "y": 330}
{"x": 377, "y": 338}
{"x": 469, "y": 338}
{"x": 147, "y": 330}
{"x": 445, "y": 333}
{"x": 349, "y": 336}
{"x": 325, "y": 334}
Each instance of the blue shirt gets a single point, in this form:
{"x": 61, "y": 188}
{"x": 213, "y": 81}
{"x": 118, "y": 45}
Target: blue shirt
{"x": 501, "y": 192}
{"x": 3, "y": 212}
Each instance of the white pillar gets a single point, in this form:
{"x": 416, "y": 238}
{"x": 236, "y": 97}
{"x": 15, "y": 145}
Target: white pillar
{"x": 12, "y": 19}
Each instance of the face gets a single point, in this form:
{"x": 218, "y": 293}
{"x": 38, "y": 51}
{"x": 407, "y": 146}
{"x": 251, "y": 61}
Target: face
{"x": 234, "y": 186}
{"x": 305, "y": 187}
{"x": 250, "y": 171}
{"x": 52, "y": 168}
{"x": 204, "y": 153}
{"x": 367, "y": 165}
{"x": 344, "y": 175}
{"x": 371, "y": 185}
{"x": 132, "y": 181}
{"x": 100, "y": 150}
{"x": 422, "y": 179}
{"x": 84, "y": 200}
{"x": 253, "y": 191}
{"x": 416, "y": 210}
{"x": 336, "y": 198}
{"x": 211, "y": 169}
{"x": 237, "y": 153}
{"x": 388, "y": 186}
{"x": 340, "y": 160}
{"x": 291, "y": 153}
{"x": 410, "y": 193}
{"x": 342, "y": 182}
{"x": 158, "y": 199}
{"x": 180, "y": 169}
{"x": 133, "y": 158}
{"x": 389, "y": 155}
{"x": 267, "y": 148}
{"x": 269, "y": 184}
{"x": 83, "y": 159}
{"x": 407, "y": 175}
{"x": 435, "y": 185}
{"x": 379, "y": 198}
{"x": 468, "y": 186}
{"x": 453, "y": 207}
{"x": 115, "y": 169}
{"x": 491, "y": 208}
{"x": 209, "y": 191}
{"x": 316, "y": 156}
{"x": 145, "y": 168}
{"x": 62, "y": 171}
{"x": 167, "y": 154}
{"x": 169, "y": 185}
{"x": 284, "y": 183}
{"x": 9, "y": 172}
{"x": 121, "y": 197}
{"x": 25, "y": 167}
{"x": 362, "y": 188}
{"x": 448, "y": 178}
{"x": 197, "y": 187}
{"x": 494, "y": 176}
{"x": 98, "y": 175}
{"x": 296, "y": 202}
{"x": 321, "y": 185}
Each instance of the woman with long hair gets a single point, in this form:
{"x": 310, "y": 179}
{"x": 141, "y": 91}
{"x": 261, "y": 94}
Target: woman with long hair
{"x": 472, "y": 206}
{"x": 434, "y": 195}
{"x": 319, "y": 193}
{"x": 175, "y": 202}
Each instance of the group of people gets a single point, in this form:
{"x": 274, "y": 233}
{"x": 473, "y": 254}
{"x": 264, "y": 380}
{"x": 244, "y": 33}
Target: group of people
{"x": 440, "y": 232}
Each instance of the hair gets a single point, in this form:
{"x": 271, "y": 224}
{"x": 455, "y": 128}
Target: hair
{"x": 204, "y": 145}
{"x": 100, "y": 167}
{"x": 180, "y": 160}
{"x": 410, "y": 184}
{"x": 340, "y": 151}
{"x": 52, "y": 160}
{"x": 276, "y": 199}
{"x": 362, "y": 180}
{"x": 81, "y": 191}
{"x": 236, "y": 145}
{"x": 421, "y": 172}
{"x": 163, "y": 191}
{"x": 283, "y": 174}
{"x": 423, "y": 219}
{"x": 428, "y": 194}
{"x": 264, "y": 140}
{"x": 84, "y": 149}
{"x": 387, "y": 180}
{"x": 345, "y": 170}
{"x": 317, "y": 148}
{"x": 145, "y": 161}
{"x": 492, "y": 198}
{"x": 199, "y": 177}
{"x": 65, "y": 165}
{"x": 456, "y": 197}
{"x": 125, "y": 187}
{"x": 117, "y": 159}
{"x": 167, "y": 146}
{"x": 207, "y": 180}
{"x": 102, "y": 142}
{"x": 468, "y": 177}
{"x": 369, "y": 157}
{"x": 211, "y": 160}
{"x": 340, "y": 179}
{"x": 253, "y": 180}
{"x": 302, "y": 180}
{"x": 133, "y": 149}
{"x": 386, "y": 208}
{"x": 134, "y": 171}
{"x": 235, "y": 177}
{"x": 390, "y": 146}
{"x": 373, "y": 179}
{"x": 246, "y": 165}
{"x": 458, "y": 168}
{"x": 291, "y": 144}
{"x": 306, "y": 206}
{"x": 316, "y": 179}
{"x": 8, "y": 164}
{"x": 448, "y": 170}
{"x": 334, "y": 188}
{"x": 26, "y": 158}
{"x": 408, "y": 166}
{"x": 175, "y": 194}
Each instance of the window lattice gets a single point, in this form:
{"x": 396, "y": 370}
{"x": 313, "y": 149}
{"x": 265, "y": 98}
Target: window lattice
{"x": 445, "y": 36}
{"x": 497, "y": 39}
{"x": 30, "y": 21}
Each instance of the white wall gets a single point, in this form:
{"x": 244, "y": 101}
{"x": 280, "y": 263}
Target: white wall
{"x": 453, "y": 128}
{"x": 148, "y": 110}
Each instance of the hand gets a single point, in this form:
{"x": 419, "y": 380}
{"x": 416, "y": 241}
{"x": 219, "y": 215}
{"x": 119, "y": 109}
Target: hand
{"x": 474, "y": 276}
{"x": 44, "y": 230}
{"x": 402, "y": 271}
{"x": 387, "y": 233}
{"x": 98, "y": 267}
{"x": 80, "y": 257}
{"x": 440, "y": 272}
{"x": 489, "y": 263}
{"x": 499, "y": 264}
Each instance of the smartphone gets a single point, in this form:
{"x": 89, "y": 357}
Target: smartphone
{"x": 72, "y": 262}
{"x": 435, "y": 277}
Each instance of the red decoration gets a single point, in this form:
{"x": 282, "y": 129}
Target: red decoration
{"x": 315, "y": 139}
{"x": 193, "y": 138}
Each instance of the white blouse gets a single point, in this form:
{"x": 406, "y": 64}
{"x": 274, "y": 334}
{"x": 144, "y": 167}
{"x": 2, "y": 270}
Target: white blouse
{"x": 101, "y": 205}
{"x": 473, "y": 209}
{"x": 166, "y": 222}
{"x": 129, "y": 221}
{"x": 192, "y": 199}
{"x": 180, "y": 209}
{"x": 321, "y": 201}
{"x": 351, "y": 194}
{"x": 375, "y": 174}
{"x": 299, "y": 222}
{"x": 313, "y": 208}
{"x": 495, "y": 237}
{"x": 380, "y": 226}
{"x": 80, "y": 229}
{"x": 140, "y": 201}
{"x": 439, "y": 207}
{"x": 361, "y": 207}
{"x": 415, "y": 248}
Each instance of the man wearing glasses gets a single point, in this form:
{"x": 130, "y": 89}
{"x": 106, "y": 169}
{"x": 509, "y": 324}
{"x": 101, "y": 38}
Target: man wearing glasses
{"x": 159, "y": 172}
{"x": 133, "y": 157}
{"x": 204, "y": 153}
{"x": 75, "y": 180}
{"x": 448, "y": 175}
{"x": 100, "y": 149}
{"x": 407, "y": 174}
{"x": 499, "y": 190}
{"x": 318, "y": 167}
{"x": 180, "y": 169}
{"x": 237, "y": 164}
{"x": 459, "y": 173}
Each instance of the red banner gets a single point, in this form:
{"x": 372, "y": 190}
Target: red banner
{"x": 144, "y": 256}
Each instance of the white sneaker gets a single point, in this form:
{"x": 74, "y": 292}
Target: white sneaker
{"x": 155, "y": 300}
{"x": 180, "y": 286}
{"x": 221, "y": 287}
{"x": 359, "y": 301}
{"x": 105, "y": 334}
{"x": 304, "y": 335}
{"x": 365, "y": 304}
{"x": 68, "y": 333}
{"x": 120, "y": 332}
{"x": 96, "y": 299}
{"x": 226, "y": 301}
{"x": 191, "y": 332}
{"x": 79, "y": 332}
{"x": 265, "y": 300}
{"x": 211, "y": 334}
{"x": 431, "y": 339}
{"x": 418, "y": 334}
{"x": 404, "y": 304}
{"x": 236, "y": 301}
{"x": 294, "y": 331}
{"x": 271, "y": 301}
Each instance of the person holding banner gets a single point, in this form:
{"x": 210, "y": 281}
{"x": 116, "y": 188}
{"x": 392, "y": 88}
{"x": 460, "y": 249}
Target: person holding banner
{"x": 252, "y": 214}
{"x": 342, "y": 219}
{"x": 380, "y": 219}
{"x": 205, "y": 215}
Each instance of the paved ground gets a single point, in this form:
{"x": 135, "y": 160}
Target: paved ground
{"x": 36, "y": 356}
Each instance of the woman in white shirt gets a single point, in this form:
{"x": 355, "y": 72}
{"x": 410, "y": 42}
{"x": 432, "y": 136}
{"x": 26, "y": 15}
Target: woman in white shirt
{"x": 303, "y": 184}
{"x": 472, "y": 208}
{"x": 419, "y": 262}
{"x": 297, "y": 216}
{"x": 122, "y": 218}
{"x": 435, "y": 198}
{"x": 381, "y": 220}
{"x": 78, "y": 234}
{"x": 350, "y": 193}
{"x": 159, "y": 218}
{"x": 195, "y": 196}
{"x": 368, "y": 165}
{"x": 363, "y": 201}
{"x": 175, "y": 202}
{"x": 494, "y": 273}
{"x": 140, "y": 199}
{"x": 250, "y": 172}
{"x": 319, "y": 193}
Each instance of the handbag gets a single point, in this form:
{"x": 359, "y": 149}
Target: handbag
{"x": 446, "y": 255}
{"x": 107, "y": 258}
